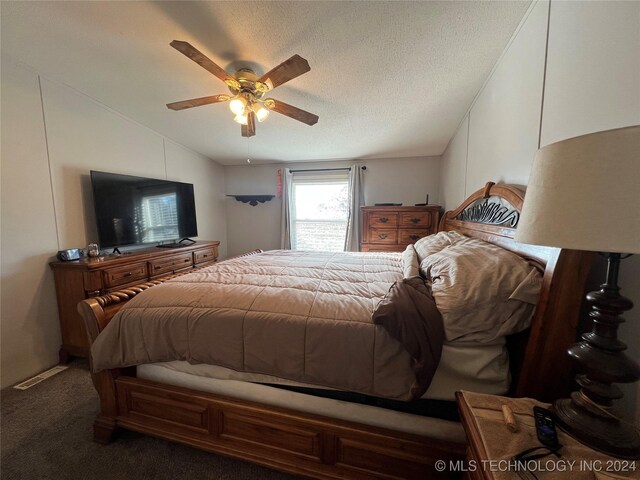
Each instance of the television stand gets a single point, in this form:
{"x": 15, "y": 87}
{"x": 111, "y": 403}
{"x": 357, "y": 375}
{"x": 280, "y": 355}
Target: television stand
{"x": 93, "y": 277}
{"x": 185, "y": 242}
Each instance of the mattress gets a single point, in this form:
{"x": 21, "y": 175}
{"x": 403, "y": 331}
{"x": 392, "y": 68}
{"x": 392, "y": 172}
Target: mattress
{"x": 436, "y": 428}
{"x": 483, "y": 368}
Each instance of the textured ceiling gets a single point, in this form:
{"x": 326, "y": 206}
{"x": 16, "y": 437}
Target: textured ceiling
{"x": 388, "y": 79}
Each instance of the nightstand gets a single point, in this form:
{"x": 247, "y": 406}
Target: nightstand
{"x": 491, "y": 445}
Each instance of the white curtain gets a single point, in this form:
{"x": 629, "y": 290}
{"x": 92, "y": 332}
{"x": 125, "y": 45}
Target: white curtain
{"x": 285, "y": 230}
{"x": 356, "y": 200}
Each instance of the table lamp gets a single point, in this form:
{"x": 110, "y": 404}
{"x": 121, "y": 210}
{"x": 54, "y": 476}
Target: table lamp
{"x": 584, "y": 194}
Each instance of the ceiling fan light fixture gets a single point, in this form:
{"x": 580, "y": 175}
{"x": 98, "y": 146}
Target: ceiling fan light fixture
{"x": 261, "y": 112}
{"x": 242, "y": 118}
{"x": 238, "y": 105}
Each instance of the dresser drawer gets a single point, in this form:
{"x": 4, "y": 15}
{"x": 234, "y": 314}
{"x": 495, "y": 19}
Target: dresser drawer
{"x": 203, "y": 256}
{"x": 413, "y": 235}
{"x": 127, "y": 274}
{"x": 383, "y": 219}
{"x": 379, "y": 247}
{"x": 378, "y": 235}
{"x": 170, "y": 264}
{"x": 415, "y": 219}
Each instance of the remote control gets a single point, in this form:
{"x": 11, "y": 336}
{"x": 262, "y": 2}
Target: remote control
{"x": 546, "y": 428}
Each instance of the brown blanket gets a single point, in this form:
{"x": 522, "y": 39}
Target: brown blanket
{"x": 410, "y": 315}
{"x": 303, "y": 316}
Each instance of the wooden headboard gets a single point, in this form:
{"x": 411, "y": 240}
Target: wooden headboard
{"x": 492, "y": 214}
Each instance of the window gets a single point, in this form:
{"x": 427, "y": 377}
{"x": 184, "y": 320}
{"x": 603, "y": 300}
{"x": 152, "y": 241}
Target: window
{"x": 159, "y": 217}
{"x": 319, "y": 212}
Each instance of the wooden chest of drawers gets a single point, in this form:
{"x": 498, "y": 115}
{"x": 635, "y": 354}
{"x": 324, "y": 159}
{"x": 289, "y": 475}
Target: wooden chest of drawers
{"x": 391, "y": 229}
{"x": 90, "y": 277}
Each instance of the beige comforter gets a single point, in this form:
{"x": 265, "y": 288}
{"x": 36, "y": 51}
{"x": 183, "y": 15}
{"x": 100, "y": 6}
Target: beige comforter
{"x": 303, "y": 316}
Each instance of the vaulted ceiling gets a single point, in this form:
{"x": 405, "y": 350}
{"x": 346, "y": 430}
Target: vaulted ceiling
{"x": 388, "y": 79}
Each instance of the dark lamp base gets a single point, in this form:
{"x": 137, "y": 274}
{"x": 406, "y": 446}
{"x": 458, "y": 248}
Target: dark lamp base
{"x": 598, "y": 431}
{"x": 586, "y": 415}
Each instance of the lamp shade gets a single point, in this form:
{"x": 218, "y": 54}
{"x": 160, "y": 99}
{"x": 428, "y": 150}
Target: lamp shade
{"x": 584, "y": 194}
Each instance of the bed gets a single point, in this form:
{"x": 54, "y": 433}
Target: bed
{"x": 254, "y": 418}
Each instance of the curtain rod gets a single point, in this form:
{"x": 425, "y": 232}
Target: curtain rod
{"x": 326, "y": 169}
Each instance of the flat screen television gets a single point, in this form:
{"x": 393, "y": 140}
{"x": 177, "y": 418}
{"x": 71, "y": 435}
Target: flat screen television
{"x": 136, "y": 210}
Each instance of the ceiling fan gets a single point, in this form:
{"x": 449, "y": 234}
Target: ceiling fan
{"x": 247, "y": 90}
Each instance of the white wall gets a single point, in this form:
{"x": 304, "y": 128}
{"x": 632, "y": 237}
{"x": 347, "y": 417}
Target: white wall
{"x": 402, "y": 180}
{"x": 183, "y": 165}
{"x": 453, "y": 168}
{"x": 588, "y": 82}
{"x": 30, "y": 336}
{"x": 504, "y": 120}
{"x": 593, "y": 69}
{"x": 52, "y": 136}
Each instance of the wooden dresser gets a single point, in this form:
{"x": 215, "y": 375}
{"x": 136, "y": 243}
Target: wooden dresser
{"x": 91, "y": 277}
{"x": 391, "y": 229}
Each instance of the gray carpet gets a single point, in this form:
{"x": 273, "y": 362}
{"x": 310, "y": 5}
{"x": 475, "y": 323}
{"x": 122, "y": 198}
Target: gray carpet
{"x": 46, "y": 433}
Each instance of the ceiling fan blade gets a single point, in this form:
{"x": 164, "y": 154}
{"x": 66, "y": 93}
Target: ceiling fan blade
{"x": 201, "y": 59}
{"x": 291, "y": 111}
{"x": 287, "y": 70}
{"x": 249, "y": 130}
{"x": 197, "y": 102}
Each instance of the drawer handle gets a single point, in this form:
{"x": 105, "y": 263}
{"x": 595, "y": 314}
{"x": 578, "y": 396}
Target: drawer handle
{"x": 128, "y": 274}
{"x": 415, "y": 220}
{"x": 382, "y": 236}
{"x": 384, "y": 219}
{"x": 414, "y": 237}
{"x": 205, "y": 256}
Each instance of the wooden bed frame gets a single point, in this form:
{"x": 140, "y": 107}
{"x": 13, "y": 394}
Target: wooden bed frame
{"x": 327, "y": 448}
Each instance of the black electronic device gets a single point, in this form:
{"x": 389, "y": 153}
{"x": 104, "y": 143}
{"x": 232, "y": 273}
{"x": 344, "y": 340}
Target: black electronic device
{"x": 70, "y": 254}
{"x": 546, "y": 428}
{"x": 137, "y": 210}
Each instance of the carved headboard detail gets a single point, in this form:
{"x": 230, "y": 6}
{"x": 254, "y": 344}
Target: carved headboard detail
{"x": 491, "y": 205}
{"x": 491, "y": 210}
{"x": 491, "y": 214}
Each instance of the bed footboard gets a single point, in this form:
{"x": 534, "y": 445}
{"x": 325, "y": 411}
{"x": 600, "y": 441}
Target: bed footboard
{"x": 287, "y": 440}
